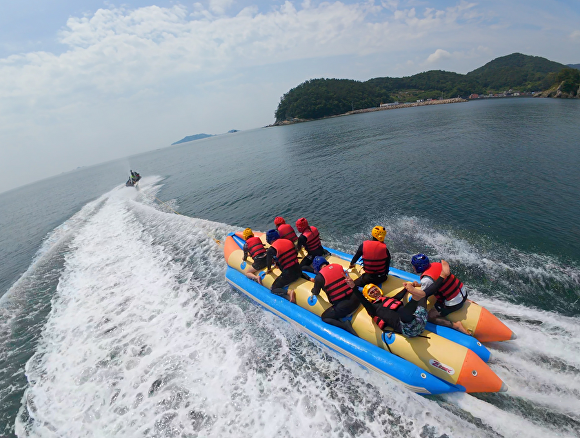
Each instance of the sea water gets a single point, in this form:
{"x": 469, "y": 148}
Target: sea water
{"x": 116, "y": 319}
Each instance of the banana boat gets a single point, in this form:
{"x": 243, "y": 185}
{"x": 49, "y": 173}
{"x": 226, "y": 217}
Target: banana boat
{"x": 427, "y": 364}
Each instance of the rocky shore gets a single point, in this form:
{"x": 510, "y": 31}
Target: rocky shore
{"x": 370, "y": 110}
{"x": 559, "y": 93}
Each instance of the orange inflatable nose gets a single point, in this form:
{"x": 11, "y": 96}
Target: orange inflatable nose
{"x": 490, "y": 329}
{"x": 477, "y": 376}
{"x": 230, "y": 246}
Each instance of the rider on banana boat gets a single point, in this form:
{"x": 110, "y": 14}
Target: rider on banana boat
{"x": 309, "y": 239}
{"x": 285, "y": 230}
{"x": 376, "y": 258}
{"x": 284, "y": 252}
{"x": 437, "y": 280}
{"x": 339, "y": 288}
{"x": 409, "y": 319}
{"x": 255, "y": 249}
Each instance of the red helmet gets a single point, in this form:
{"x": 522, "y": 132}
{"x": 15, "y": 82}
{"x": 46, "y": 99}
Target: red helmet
{"x": 279, "y": 220}
{"x": 301, "y": 224}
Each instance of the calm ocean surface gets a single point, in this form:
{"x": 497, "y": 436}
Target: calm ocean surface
{"x": 115, "y": 319}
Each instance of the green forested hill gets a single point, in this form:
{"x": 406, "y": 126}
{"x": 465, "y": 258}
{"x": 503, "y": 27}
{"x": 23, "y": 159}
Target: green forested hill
{"x": 324, "y": 97}
{"x": 319, "y": 98}
{"x": 516, "y": 70}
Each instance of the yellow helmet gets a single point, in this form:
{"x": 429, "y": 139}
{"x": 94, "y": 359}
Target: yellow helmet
{"x": 248, "y": 233}
{"x": 379, "y": 233}
{"x": 367, "y": 289}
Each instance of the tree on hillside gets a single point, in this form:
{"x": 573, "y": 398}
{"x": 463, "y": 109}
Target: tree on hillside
{"x": 569, "y": 78}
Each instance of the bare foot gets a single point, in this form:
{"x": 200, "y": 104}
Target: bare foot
{"x": 292, "y": 295}
{"x": 459, "y": 327}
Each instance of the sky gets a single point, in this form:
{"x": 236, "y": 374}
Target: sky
{"x": 88, "y": 81}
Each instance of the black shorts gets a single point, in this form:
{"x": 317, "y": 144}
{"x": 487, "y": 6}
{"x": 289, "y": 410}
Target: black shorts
{"x": 307, "y": 260}
{"x": 259, "y": 263}
{"x": 341, "y": 308}
{"x": 446, "y": 310}
{"x": 286, "y": 277}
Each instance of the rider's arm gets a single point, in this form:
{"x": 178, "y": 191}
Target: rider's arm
{"x": 357, "y": 256}
{"x": 318, "y": 284}
{"x": 270, "y": 254}
{"x": 445, "y": 271}
{"x": 301, "y": 242}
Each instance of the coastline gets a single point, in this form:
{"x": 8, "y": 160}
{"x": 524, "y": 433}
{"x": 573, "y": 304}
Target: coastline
{"x": 370, "y": 110}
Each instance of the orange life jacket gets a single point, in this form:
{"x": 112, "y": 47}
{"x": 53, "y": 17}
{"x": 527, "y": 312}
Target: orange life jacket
{"x": 335, "y": 284}
{"x": 312, "y": 239}
{"x": 449, "y": 289}
{"x": 287, "y": 232}
{"x": 255, "y": 247}
{"x": 375, "y": 257}
{"x": 286, "y": 254}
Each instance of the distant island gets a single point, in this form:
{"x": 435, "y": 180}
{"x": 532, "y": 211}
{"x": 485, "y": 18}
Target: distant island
{"x": 192, "y": 137}
{"x": 231, "y": 131}
{"x": 512, "y": 75}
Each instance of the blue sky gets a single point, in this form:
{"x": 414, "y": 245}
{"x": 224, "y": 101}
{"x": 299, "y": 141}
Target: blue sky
{"x": 83, "y": 82}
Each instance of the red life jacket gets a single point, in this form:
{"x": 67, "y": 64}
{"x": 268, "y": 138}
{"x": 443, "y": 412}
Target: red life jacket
{"x": 255, "y": 247}
{"x": 312, "y": 239}
{"x": 287, "y": 232}
{"x": 286, "y": 254}
{"x": 449, "y": 289}
{"x": 335, "y": 284}
{"x": 375, "y": 257}
{"x": 389, "y": 303}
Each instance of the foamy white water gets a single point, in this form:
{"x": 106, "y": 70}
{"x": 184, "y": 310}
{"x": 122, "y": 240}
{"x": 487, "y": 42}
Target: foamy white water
{"x": 499, "y": 263}
{"x": 145, "y": 338}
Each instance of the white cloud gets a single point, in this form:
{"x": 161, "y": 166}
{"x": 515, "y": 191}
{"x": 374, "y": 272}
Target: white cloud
{"x": 437, "y": 56}
{"x": 390, "y": 4}
{"x": 220, "y": 6}
{"x": 482, "y": 50}
{"x": 575, "y": 35}
{"x": 443, "y": 56}
{"x": 120, "y": 52}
